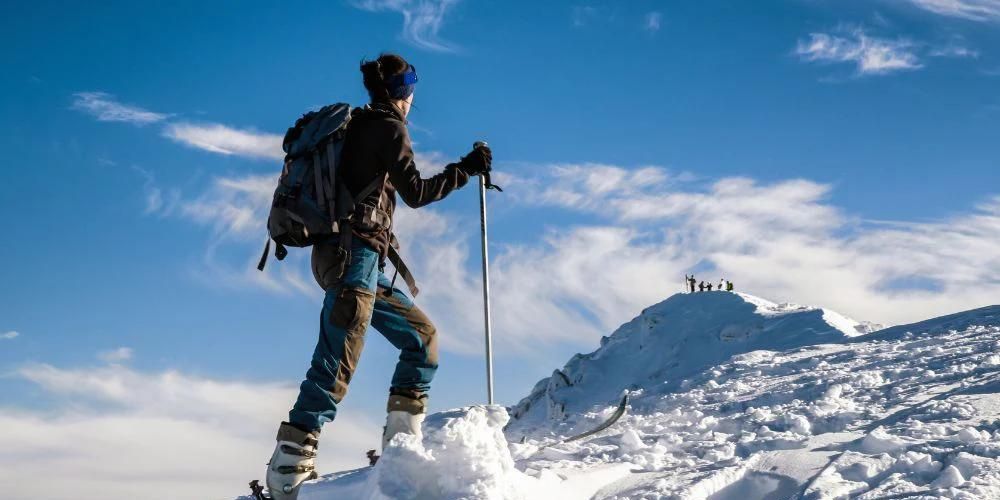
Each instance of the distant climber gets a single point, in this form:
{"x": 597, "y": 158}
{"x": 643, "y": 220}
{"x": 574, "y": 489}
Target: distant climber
{"x": 691, "y": 282}
{"x": 701, "y": 286}
{"x": 720, "y": 285}
{"x": 729, "y": 286}
{"x": 710, "y": 287}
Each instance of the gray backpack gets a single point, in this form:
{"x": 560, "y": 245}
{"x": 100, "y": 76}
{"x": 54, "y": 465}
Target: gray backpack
{"x": 310, "y": 203}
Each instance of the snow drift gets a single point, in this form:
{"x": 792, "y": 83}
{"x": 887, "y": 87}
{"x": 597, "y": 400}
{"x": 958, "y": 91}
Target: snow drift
{"x": 732, "y": 397}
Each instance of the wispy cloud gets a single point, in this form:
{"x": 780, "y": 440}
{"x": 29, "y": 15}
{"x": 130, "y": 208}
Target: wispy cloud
{"x": 105, "y": 108}
{"x": 955, "y": 50}
{"x": 10, "y": 335}
{"x": 234, "y": 206}
{"x": 225, "y": 140}
{"x": 115, "y": 355}
{"x": 976, "y": 10}
{"x": 213, "y": 137}
{"x": 653, "y": 20}
{"x": 871, "y": 55}
{"x": 101, "y": 413}
{"x": 157, "y": 201}
{"x": 236, "y": 209}
{"x": 422, "y": 20}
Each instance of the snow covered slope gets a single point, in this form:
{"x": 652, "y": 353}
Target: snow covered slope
{"x": 670, "y": 341}
{"x": 732, "y": 397}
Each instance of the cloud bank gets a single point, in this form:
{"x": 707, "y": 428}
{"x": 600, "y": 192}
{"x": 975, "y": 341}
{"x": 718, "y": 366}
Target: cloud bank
{"x": 120, "y": 433}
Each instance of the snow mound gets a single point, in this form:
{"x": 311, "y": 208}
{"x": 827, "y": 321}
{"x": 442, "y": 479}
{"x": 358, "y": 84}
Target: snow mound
{"x": 463, "y": 455}
{"x": 670, "y": 342}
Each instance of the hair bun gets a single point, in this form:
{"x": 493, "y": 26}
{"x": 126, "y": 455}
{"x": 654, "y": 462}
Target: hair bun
{"x": 375, "y": 72}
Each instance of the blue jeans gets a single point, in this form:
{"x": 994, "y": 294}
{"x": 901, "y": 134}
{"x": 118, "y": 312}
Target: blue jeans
{"x": 364, "y": 295}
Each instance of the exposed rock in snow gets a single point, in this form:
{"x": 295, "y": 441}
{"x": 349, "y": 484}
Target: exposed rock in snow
{"x": 732, "y": 397}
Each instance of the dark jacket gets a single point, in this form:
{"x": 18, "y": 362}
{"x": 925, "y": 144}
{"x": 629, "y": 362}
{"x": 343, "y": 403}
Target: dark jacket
{"x": 377, "y": 143}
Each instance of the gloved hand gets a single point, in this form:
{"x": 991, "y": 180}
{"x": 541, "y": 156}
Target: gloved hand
{"x": 477, "y": 162}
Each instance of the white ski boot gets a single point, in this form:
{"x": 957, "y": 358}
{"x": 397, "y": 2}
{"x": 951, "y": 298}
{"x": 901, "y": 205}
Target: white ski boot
{"x": 401, "y": 422}
{"x": 292, "y": 462}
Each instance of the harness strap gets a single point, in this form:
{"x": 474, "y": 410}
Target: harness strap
{"x": 403, "y": 271}
{"x": 370, "y": 188}
{"x": 346, "y": 229}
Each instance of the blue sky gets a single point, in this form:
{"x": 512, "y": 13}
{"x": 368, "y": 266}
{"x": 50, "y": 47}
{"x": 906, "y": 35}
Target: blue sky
{"x": 833, "y": 153}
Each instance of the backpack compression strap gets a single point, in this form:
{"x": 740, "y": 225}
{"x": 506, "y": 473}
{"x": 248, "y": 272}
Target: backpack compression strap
{"x": 279, "y": 252}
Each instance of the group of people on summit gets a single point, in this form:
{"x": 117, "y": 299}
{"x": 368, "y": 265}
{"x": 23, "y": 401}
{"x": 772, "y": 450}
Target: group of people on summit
{"x": 694, "y": 286}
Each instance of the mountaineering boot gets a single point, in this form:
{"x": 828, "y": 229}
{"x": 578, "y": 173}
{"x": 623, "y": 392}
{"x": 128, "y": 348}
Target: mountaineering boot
{"x": 292, "y": 462}
{"x": 401, "y": 422}
{"x": 406, "y": 411}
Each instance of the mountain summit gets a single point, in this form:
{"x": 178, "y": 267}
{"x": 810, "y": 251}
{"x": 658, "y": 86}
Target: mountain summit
{"x": 673, "y": 340}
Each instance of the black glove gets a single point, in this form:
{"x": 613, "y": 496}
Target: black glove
{"x": 477, "y": 162}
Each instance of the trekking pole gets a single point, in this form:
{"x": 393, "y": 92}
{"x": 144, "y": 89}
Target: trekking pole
{"x": 485, "y": 184}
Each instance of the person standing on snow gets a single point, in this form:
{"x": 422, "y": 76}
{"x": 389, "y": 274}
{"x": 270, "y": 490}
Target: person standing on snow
{"x": 729, "y": 286}
{"x": 691, "y": 282}
{"x": 701, "y": 286}
{"x": 710, "y": 287}
{"x": 377, "y": 145}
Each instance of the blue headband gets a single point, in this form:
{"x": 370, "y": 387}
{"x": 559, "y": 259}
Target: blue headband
{"x": 401, "y": 86}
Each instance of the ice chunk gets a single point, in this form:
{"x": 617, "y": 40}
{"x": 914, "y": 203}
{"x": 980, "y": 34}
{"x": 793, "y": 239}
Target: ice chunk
{"x": 949, "y": 478}
{"x": 880, "y": 441}
{"x": 631, "y": 441}
{"x": 972, "y": 435}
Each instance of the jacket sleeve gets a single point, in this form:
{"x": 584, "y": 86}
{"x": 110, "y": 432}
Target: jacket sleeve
{"x": 414, "y": 190}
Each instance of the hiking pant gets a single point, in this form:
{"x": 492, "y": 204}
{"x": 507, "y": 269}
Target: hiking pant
{"x": 365, "y": 295}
